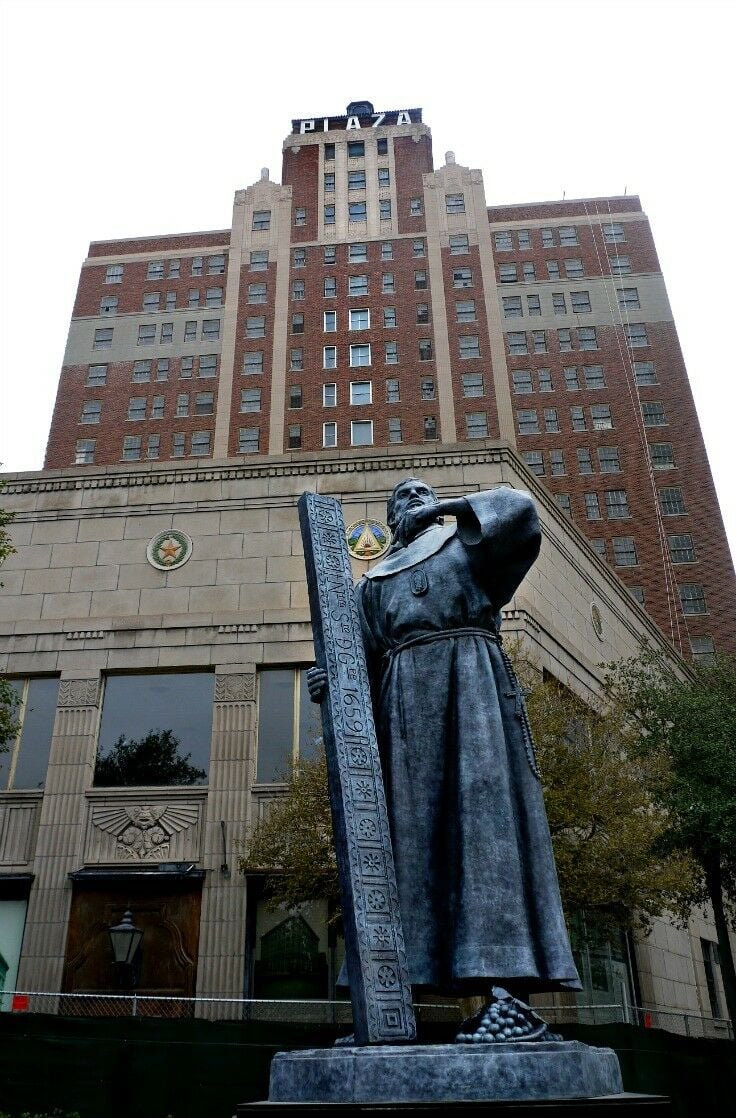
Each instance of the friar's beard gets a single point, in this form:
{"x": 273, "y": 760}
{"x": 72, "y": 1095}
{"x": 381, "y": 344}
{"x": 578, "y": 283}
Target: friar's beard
{"x": 407, "y": 529}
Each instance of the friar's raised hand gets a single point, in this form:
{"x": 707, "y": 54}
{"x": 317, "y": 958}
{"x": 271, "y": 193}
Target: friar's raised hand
{"x": 317, "y": 683}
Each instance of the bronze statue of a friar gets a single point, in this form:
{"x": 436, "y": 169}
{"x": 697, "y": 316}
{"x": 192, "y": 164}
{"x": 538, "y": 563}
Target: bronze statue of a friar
{"x": 477, "y": 887}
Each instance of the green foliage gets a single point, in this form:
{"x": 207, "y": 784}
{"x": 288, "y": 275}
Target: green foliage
{"x": 154, "y": 759}
{"x": 6, "y": 544}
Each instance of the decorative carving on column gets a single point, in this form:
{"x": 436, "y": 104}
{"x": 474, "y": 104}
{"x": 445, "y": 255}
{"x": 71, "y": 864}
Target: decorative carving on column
{"x": 79, "y": 692}
{"x": 237, "y": 688}
{"x": 144, "y": 831}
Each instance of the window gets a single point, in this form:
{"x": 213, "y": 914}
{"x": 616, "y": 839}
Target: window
{"x": 190, "y": 330}
{"x": 204, "y": 403}
{"x": 297, "y": 289}
{"x": 587, "y": 337}
{"x": 594, "y": 376}
{"x": 568, "y": 235}
{"x": 329, "y": 288}
{"x": 609, "y": 460}
{"x": 357, "y": 253}
{"x": 96, "y": 376}
{"x": 394, "y": 431}
{"x": 620, "y": 265}
{"x": 391, "y": 353}
{"x": 261, "y": 219}
{"x": 418, "y": 248}
{"x": 249, "y": 439}
{"x": 255, "y": 327}
{"x": 382, "y": 146}
{"x": 558, "y": 303}
{"x": 600, "y": 415}
{"x": 295, "y": 396}
{"x": 357, "y": 211}
{"x": 682, "y": 549}
{"x": 360, "y": 355}
{"x": 216, "y": 265}
{"x": 329, "y": 434}
{"x": 533, "y": 305}
{"x": 551, "y": 421}
{"x": 361, "y": 432}
{"x": 91, "y": 411}
{"x": 387, "y": 250}
{"x": 529, "y": 271}
{"x": 389, "y": 317}
{"x": 522, "y": 381}
{"x": 193, "y": 299}
{"x": 24, "y": 765}
{"x": 300, "y": 215}
{"x": 214, "y": 297}
{"x": 157, "y": 407}
{"x": 182, "y": 405}
{"x": 507, "y": 273}
{"x": 577, "y": 418}
{"x": 84, "y": 452}
{"x": 103, "y": 338}
{"x": 329, "y": 395}
{"x": 131, "y": 448}
{"x": 628, "y": 298}
{"x": 177, "y": 445}
{"x": 167, "y": 333}
{"x": 662, "y": 456}
{"x": 430, "y": 428}
{"x": 171, "y": 299}
{"x": 259, "y": 259}
{"x": 524, "y": 238}
{"x": 516, "y": 341}
{"x": 210, "y": 329}
{"x": 187, "y": 367}
{"x": 462, "y": 277}
{"x": 644, "y": 373}
{"x": 257, "y": 293}
{"x": 553, "y": 270}
{"x": 473, "y": 384}
{"x": 592, "y": 507}
{"x": 599, "y": 546}
{"x": 539, "y": 340}
{"x": 384, "y": 177}
{"x": 545, "y": 380}
{"x": 528, "y": 421}
{"x": 564, "y": 340}
{"x": 329, "y": 357}
{"x": 476, "y": 425}
{"x": 580, "y": 302}
{"x": 297, "y": 324}
{"x": 388, "y": 283}
{"x": 548, "y": 238}
{"x": 557, "y": 462}
{"x": 574, "y": 269}
{"x": 426, "y": 388}
{"x": 502, "y": 241}
{"x": 296, "y": 360}
{"x": 393, "y": 392}
{"x": 114, "y": 273}
{"x": 416, "y": 207}
{"x": 572, "y": 382}
{"x": 208, "y": 365}
{"x": 151, "y": 301}
{"x": 420, "y": 280}
{"x": 425, "y": 349}
{"x": 563, "y": 500}
{"x": 253, "y": 362}
{"x": 535, "y": 461}
{"x": 585, "y": 462}
{"x": 512, "y": 307}
{"x": 653, "y": 414}
{"x": 455, "y": 203}
{"x": 356, "y": 149}
{"x": 624, "y": 551}
{"x": 617, "y": 504}
{"x": 671, "y": 501}
{"x": 703, "y": 650}
{"x": 636, "y": 335}
{"x": 459, "y": 245}
{"x": 357, "y": 285}
{"x": 465, "y": 310}
{"x": 422, "y": 313}
{"x": 692, "y": 597}
{"x": 329, "y": 152}
{"x": 384, "y": 209}
{"x": 469, "y": 345}
{"x": 155, "y": 269}
{"x": 329, "y": 182}
{"x": 361, "y": 392}
{"x": 329, "y": 215}
{"x": 197, "y": 266}
{"x": 356, "y": 180}
{"x": 294, "y": 440}
{"x": 330, "y": 255}
{"x": 250, "y": 399}
{"x": 613, "y": 233}
{"x": 109, "y": 304}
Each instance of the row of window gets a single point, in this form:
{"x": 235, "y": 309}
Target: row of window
{"x": 139, "y": 407}
{"x": 564, "y": 236}
{"x": 147, "y": 333}
{"x": 525, "y": 271}
{"x": 356, "y": 180}
{"x": 361, "y": 432}
{"x": 171, "y": 269}
{"x": 361, "y": 392}
{"x": 358, "y": 210}
{"x": 152, "y": 301}
{"x": 358, "y": 252}
{"x": 671, "y": 503}
{"x": 609, "y": 461}
{"x": 519, "y": 343}
{"x": 206, "y": 366}
{"x": 513, "y": 306}
{"x": 199, "y": 445}
{"x": 360, "y": 355}
{"x": 356, "y": 149}
{"x": 590, "y": 376}
{"x": 653, "y": 415}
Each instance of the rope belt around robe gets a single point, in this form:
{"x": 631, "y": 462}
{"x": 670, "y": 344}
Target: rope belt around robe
{"x": 517, "y": 693}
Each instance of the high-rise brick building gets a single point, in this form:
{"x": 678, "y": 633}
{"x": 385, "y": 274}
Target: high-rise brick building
{"x": 371, "y": 300}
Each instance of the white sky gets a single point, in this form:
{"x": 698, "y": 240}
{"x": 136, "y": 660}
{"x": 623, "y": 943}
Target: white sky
{"x": 144, "y": 117}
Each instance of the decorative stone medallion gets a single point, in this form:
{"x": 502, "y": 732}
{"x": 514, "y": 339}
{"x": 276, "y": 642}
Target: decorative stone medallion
{"x": 368, "y": 539}
{"x": 169, "y": 550}
{"x": 595, "y": 617}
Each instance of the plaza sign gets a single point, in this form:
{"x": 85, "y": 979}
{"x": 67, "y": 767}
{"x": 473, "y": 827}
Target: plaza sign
{"x": 365, "y": 117}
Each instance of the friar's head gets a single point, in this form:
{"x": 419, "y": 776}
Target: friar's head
{"x": 407, "y": 495}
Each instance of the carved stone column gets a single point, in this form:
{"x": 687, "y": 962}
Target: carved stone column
{"x": 61, "y": 831}
{"x": 222, "y": 943}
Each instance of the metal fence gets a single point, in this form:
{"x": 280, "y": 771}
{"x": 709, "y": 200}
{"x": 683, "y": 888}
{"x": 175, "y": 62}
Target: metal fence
{"x": 339, "y": 1013}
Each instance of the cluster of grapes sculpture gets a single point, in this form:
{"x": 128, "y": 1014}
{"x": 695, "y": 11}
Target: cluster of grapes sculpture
{"x": 502, "y": 1021}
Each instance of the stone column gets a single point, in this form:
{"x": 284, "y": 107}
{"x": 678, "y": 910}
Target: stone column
{"x": 222, "y": 946}
{"x": 61, "y": 831}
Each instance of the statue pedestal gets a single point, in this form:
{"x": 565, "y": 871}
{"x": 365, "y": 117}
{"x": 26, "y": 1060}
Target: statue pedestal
{"x": 444, "y": 1073}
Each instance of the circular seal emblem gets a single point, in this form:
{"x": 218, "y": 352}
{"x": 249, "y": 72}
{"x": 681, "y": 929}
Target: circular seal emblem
{"x": 169, "y": 550}
{"x": 595, "y": 617}
{"x": 368, "y": 539}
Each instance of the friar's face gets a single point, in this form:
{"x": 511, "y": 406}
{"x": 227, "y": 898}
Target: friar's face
{"x": 410, "y": 494}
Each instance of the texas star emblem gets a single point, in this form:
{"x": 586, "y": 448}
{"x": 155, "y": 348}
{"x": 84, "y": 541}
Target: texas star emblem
{"x": 169, "y": 549}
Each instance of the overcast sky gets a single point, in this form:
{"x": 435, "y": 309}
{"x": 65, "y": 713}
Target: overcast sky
{"x": 144, "y": 117}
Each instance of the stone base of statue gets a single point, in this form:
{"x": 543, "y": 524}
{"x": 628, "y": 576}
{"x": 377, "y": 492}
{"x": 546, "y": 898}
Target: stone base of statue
{"x": 541, "y": 1070}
